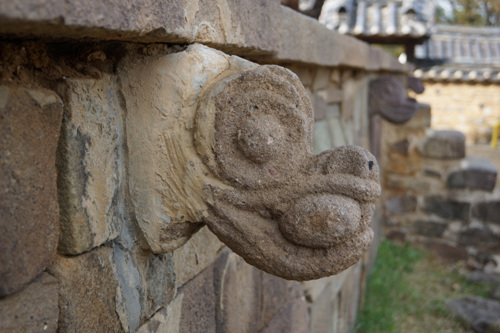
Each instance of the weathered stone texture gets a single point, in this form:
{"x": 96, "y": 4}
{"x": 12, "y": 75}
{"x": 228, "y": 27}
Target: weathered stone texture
{"x": 87, "y": 292}
{"x": 447, "y": 251}
{"x": 475, "y": 173}
{"x": 166, "y": 319}
{"x": 232, "y": 296}
{"x": 479, "y": 237}
{"x": 429, "y": 228}
{"x": 90, "y": 164}
{"x": 232, "y": 25}
{"x": 447, "y": 208}
{"x": 196, "y": 255}
{"x": 293, "y": 316}
{"x": 443, "y": 145}
{"x": 29, "y": 131}
{"x": 230, "y": 163}
{"x": 488, "y": 211}
{"x": 477, "y": 312}
{"x": 401, "y": 204}
{"x": 33, "y": 309}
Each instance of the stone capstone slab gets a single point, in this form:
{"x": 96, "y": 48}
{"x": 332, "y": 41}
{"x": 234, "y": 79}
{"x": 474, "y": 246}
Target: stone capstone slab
{"x": 87, "y": 292}
{"x": 477, "y": 312}
{"x": 475, "y": 173}
{"x": 33, "y": 309}
{"x": 443, "y": 145}
{"x": 232, "y": 25}
{"x": 90, "y": 164}
{"x": 29, "y": 131}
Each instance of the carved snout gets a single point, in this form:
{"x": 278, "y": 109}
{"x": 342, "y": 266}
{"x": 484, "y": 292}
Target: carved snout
{"x": 321, "y": 221}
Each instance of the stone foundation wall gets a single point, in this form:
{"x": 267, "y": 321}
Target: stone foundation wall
{"x": 469, "y": 108}
{"x": 437, "y": 195}
{"x": 73, "y": 256}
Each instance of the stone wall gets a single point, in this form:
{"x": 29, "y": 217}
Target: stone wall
{"x": 466, "y": 107}
{"x": 437, "y": 195}
{"x": 73, "y": 255}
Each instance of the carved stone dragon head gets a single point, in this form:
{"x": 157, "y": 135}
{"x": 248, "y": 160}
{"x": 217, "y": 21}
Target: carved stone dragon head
{"x": 244, "y": 167}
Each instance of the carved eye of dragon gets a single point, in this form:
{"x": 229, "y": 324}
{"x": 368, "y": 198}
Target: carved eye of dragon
{"x": 238, "y": 159}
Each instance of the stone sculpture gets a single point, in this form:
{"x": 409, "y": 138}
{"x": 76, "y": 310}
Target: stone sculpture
{"x": 239, "y": 160}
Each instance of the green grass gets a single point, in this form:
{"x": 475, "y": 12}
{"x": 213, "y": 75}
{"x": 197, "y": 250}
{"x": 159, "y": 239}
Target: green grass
{"x": 407, "y": 292}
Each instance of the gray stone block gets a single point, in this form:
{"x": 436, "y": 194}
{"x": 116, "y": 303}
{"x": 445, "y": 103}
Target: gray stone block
{"x": 487, "y": 211}
{"x": 29, "y": 132}
{"x": 87, "y": 292}
{"x": 482, "y": 238}
{"x": 33, "y": 309}
{"x": 401, "y": 147}
{"x": 401, "y": 204}
{"x": 475, "y": 173}
{"x": 446, "y": 208}
{"x": 443, "y": 145}
{"x": 477, "y": 312}
{"x": 429, "y": 228}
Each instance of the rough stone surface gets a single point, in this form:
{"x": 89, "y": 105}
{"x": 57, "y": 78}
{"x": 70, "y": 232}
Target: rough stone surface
{"x": 483, "y": 277}
{"x": 224, "y": 291}
{"x": 388, "y": 98}
{"x": 430, "y": 228}
{"x": 443, "y": 144}
{"x": 233, "y": 25}
{"x": 322, "y": 313}
{"x": 29, "y": 132}
{"x": 445, "y": 208}
{"x": 477, "y": 312}
{"x": 87, "y": 292}
{"x": 446, "y": 251}
{"x": 488, "y": 211}
{"x": 482, "y": 238}
{"x": 401, "y": 204}
{"x": 33, "y": 309}
{"x": 90, "y": 164}
{"x": 293, "y": 316}
{"x": 197, "y": 254}
{"x": 166, "y": 319}
{"x": 493, "y": 327}
{"x": 239, "y": 167}
{"x": 475, "y": 173}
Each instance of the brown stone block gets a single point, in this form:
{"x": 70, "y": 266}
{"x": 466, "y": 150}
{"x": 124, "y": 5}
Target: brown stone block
{"x": 90, "y": 164}
{"x": 293, "y": 316}
{"x": 34, "y": 309}
{"x": 29, "y": 132}
{"x": 446, "y": 251}
{"x": 87, "y": 292}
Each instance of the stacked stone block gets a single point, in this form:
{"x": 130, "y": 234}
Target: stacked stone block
{"x": 436, "y": 194}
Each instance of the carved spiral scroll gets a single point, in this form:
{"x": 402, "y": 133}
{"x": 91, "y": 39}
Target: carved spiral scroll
{"x": 286, "y": 211}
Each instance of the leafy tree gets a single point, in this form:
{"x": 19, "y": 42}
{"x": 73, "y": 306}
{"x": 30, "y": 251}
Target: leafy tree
{"x": 471, "y": 12}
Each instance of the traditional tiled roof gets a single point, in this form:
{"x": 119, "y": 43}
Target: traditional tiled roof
{"x": 386, "y": 22}
{"x": 460, "y": 53}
